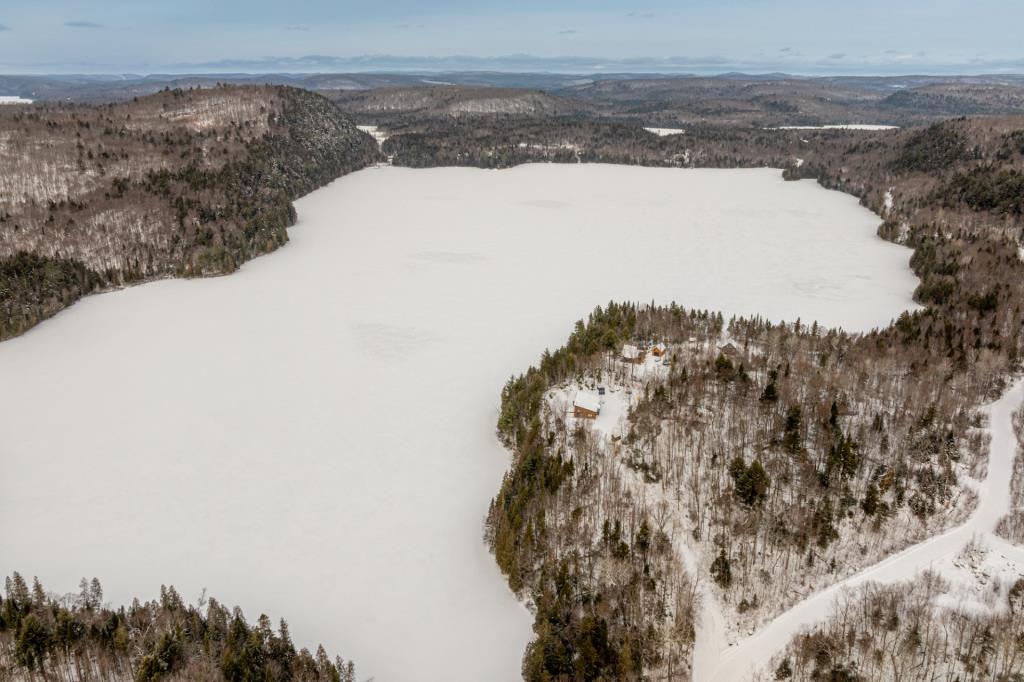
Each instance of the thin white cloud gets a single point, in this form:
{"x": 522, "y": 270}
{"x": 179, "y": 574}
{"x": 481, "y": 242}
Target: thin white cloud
{"x": 82, "y": 24}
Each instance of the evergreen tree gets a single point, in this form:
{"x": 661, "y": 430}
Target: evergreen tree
{"x": 871, "y": 500}
{"x": 791, "y": 432}
{"x": 721, "y": 571}
{"x": 750, "y": 484}
{"x": 31, "y": 644}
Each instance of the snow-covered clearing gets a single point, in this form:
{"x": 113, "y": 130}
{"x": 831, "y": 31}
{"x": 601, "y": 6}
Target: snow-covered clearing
{"x": 374, "y": 132}
{"x": 664, "y": 132}
{"x": 940, "y": 553}
{"x": 313, "y": 437}
{"x": 840, "y": 126}
{"x": 12, "y": 99}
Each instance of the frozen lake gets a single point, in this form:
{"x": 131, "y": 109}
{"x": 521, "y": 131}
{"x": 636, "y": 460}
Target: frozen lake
{"x": 313, "y": 437}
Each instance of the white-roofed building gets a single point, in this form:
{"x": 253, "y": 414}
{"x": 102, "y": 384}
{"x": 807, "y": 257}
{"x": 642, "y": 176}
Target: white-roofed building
{"x": 586, "y": 405}
{"x": 632, "y": 354}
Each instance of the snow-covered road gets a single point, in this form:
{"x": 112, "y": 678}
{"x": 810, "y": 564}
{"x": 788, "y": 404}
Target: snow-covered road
{"x": 747, "y": 657}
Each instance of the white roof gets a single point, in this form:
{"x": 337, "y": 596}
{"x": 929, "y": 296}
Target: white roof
{"x": 630, "y": 352}
{"x": 588, "y": 401}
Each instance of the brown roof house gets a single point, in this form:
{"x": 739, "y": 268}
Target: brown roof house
{"x": 729, "y": 350}
{"x": 586, "y": 405}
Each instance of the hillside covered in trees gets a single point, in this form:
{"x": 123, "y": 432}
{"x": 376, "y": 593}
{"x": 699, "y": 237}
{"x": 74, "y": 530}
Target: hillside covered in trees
{"x": 178, "y": 184}
{"x": 78, "y": 638}
{"x": 770, "y": 459}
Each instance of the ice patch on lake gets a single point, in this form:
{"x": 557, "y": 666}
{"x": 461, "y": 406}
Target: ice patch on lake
{"x": 313, "y": 436}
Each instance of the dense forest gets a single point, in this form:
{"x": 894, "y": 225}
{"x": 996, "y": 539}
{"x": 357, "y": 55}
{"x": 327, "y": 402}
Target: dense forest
{"x": 181, "y": 183}
{"x": 502, "y": 142}
{"x": 76, "y": 638}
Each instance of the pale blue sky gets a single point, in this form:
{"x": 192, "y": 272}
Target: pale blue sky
{"x": 798, "y": 36}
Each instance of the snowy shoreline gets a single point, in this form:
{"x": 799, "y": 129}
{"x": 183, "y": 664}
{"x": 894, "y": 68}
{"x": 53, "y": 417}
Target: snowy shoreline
{"x": 350, "y": 478}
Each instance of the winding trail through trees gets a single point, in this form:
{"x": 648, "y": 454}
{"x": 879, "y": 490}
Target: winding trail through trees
{"x": 752, "y": 654}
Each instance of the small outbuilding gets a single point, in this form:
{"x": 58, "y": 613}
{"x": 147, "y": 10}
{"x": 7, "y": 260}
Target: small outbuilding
{"x": 658, "y": 349}
{"x": 632, "y": 354}
{"x": 586, "y": 405}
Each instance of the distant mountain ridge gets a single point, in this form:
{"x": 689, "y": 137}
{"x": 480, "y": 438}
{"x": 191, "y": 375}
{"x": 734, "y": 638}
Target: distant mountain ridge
{"x": 114, "y": 87}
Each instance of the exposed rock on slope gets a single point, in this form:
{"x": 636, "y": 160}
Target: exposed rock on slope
{"x": 183, "y": 183}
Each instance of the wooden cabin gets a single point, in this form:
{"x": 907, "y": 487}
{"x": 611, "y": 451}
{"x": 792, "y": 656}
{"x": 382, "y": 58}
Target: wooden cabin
{"x": 729, "y": 350}
{"x": 658, "y": 349}
{"x": 586, "y": 405}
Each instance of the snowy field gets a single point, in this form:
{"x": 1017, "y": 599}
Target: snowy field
{"x": 11, "y": 99}
{"x": 313, "y": 437}
{"x": 841, "y": 126}
{"x": 374, "y": 132}
{"x": 665, "y": 132}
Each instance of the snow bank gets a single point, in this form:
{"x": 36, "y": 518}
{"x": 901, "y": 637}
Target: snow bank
{"x": 313, "y": 437}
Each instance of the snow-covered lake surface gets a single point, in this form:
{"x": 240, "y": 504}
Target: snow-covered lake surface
{"x": 313, "y": 436}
